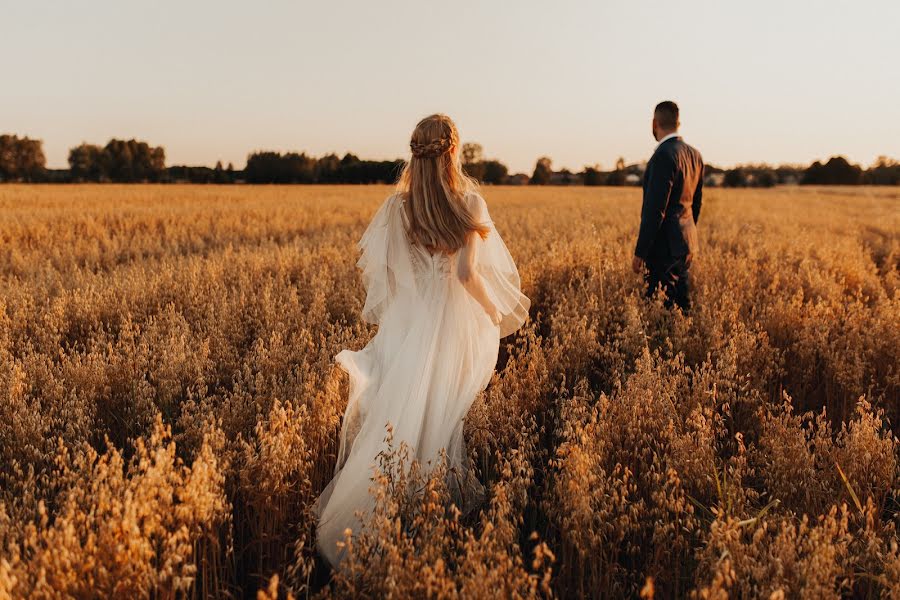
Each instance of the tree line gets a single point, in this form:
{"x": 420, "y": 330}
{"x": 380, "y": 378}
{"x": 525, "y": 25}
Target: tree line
{"x": 836, "y": 171}
{"x": 291, "y": 167}
{"x": 124, "y": 161}
{"x": 132, "y": 161}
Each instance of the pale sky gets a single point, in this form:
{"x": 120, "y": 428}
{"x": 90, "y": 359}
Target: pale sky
{"x": 774, "y": 81}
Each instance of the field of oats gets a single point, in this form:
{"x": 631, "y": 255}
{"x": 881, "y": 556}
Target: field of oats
{"x": 169, "y": 408}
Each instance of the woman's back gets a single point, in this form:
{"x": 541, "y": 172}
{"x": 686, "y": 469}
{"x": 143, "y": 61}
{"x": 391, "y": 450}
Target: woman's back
{"x": 440, "y": 316}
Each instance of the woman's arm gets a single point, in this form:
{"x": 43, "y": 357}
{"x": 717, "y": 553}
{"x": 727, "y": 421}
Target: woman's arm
{"x": 469, "y": 276}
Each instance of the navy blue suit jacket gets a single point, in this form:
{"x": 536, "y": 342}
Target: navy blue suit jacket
{"x": 673, "y": 193}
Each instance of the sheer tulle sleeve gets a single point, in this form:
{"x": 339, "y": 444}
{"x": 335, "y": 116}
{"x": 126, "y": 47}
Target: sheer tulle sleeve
{"x": 387, "y": 270}
{"x": 501, "y": 278}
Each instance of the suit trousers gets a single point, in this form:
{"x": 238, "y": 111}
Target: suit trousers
{"x": 671, "y": 274}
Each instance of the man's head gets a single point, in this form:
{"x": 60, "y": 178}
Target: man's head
{"x": 665, "y": 119}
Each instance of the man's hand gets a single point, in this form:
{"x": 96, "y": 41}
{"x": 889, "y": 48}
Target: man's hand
{"x": 637, "y": 265}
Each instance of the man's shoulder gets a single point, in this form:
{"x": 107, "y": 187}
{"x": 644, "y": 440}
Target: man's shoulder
{"x": 667, "y": 151}
{"x": 679, "y": 146}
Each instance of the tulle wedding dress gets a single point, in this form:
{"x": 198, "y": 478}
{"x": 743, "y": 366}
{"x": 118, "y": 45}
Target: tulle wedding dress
{"x": 435, "y": 350}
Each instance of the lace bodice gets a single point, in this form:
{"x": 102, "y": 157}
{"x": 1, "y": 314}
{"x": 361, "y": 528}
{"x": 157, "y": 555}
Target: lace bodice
{"x": 427, "y": 266}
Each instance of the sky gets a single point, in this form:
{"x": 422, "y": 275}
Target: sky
{"x": 786, "y": 81}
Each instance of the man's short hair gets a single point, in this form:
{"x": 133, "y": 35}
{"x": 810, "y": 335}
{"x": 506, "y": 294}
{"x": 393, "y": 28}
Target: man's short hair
{"x": 667, "y": 114}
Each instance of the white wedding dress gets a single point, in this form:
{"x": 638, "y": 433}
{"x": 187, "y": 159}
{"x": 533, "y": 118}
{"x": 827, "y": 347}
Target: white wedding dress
{"x": 435, "y": 350}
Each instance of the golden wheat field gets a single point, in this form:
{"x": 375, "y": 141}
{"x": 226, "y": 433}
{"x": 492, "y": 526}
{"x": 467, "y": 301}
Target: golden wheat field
{"x": 169, "y": 407}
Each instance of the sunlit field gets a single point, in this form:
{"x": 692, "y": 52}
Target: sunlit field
{"x": 169, "y": 408}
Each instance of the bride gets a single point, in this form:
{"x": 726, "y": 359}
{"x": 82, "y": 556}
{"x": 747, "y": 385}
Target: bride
{"x": 443, "y": 289}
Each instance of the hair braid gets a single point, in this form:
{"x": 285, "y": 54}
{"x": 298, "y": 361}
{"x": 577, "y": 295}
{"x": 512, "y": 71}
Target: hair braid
{"x": 432, "y": 149}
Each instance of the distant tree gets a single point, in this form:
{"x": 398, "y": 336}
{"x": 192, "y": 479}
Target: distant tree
{"x": 565, "y": 177}
{"x": 118, "y": 162}
{"x": 33, "y": 162}
{"x": 219, "y": 174}
{"x": 593, "y": 176}
{"x": 9, "y": 164}
{"x": 157, "y": 163}
{"x": 493, "y": 172}
{"x": 185, "y": 174}
{"x": 262, "y": 167}
{"x": 837, "y": 171}
{"x": 735, "y": 178}
{"x": 885, "y": 171}
{"x": 298, "y": 168}
{"x": 370, "y": 171}
{"x": 788, "y": 174}
{"x": 328, "y": 169}
{"x": 129, "y": 161}
{"x": 86, "y": 163}
{"x": 472, "y": 162}
{"x": 471, "y": 153}
{"x": 21, "y": 159}
{"x": 474, "y": 170}
{"x": 617, "y": 177}
{"x": 474, "y": 165}
{"x": 764, "y": 178}
{"x": 273, "y": 167}
{"x": 354, "y": 170}
{"x": 543, "y": 171}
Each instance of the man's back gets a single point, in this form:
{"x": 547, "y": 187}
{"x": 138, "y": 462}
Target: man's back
{"x": 673, "y": 188}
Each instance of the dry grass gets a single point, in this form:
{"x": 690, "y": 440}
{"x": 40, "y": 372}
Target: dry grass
{"x": 169, "y": 408}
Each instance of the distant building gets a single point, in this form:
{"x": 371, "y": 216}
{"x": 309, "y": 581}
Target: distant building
{"x": 714, "y": 179}
{"x": 632, "y": 179}
{"x": 518, "y": 179}
{"x": 637, "y": 168}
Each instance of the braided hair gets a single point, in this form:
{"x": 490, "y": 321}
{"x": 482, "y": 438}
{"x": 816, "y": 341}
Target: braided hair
{"x": 436, "y": 187}
{"x": 432, "y": 149}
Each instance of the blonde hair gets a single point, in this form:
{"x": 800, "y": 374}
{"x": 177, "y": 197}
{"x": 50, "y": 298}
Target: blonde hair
{"x": 435, "y": 186}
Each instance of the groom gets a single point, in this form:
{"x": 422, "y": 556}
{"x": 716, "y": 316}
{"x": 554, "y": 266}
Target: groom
{"x": 673, "y": 189}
